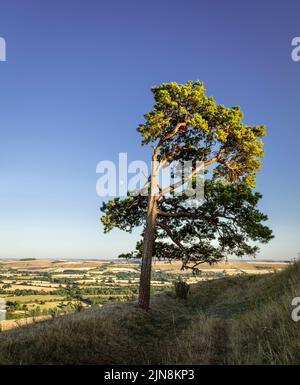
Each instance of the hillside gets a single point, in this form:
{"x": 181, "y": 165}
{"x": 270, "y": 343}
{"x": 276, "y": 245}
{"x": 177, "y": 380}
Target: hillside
{"x": 242, "y": 319}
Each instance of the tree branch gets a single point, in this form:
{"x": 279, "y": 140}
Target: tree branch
{"x": 180, "y": 214}
{"x": 172, "y": 236}
{"x": 174, "y": 132}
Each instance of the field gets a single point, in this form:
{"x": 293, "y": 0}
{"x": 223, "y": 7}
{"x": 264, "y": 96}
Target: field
{"x": 241, "y": 319}
{"x": 38, "y": 289}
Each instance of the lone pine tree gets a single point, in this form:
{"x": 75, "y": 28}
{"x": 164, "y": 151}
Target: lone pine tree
{"x": 186, "y": 125}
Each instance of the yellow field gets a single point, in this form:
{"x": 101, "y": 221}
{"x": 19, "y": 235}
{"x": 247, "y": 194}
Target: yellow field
{"x": 33, "y": 298}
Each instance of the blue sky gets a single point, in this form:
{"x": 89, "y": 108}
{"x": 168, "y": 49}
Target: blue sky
{"x": 77, "y": 83}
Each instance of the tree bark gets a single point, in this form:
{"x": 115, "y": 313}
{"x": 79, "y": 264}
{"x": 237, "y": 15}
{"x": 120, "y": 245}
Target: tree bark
{"x": 148, "y": 244}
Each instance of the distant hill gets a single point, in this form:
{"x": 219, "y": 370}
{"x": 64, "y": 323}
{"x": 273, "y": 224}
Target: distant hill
{"x": 235, "y": 320}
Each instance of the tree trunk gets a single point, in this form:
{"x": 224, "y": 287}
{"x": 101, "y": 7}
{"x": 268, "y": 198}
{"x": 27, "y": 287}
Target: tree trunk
{"x": 148, "y": 243}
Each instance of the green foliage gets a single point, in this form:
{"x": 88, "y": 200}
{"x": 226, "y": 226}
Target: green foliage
{"x": 207, "y": 129}
{"x": 223, "y": 225}
{"x": 124, "y": 214}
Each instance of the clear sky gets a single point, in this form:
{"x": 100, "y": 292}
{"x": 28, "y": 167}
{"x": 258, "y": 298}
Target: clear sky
{"x": 77, "y": 83}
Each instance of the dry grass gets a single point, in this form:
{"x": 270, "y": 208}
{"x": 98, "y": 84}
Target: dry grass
{"x": 243, "y": 320}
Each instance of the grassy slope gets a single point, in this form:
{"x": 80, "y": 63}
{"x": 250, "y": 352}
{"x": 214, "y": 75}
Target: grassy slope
{"x": 244, "y": 320}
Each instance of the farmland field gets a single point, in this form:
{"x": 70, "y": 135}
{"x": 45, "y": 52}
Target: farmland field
{"x": 35, "y": 289}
